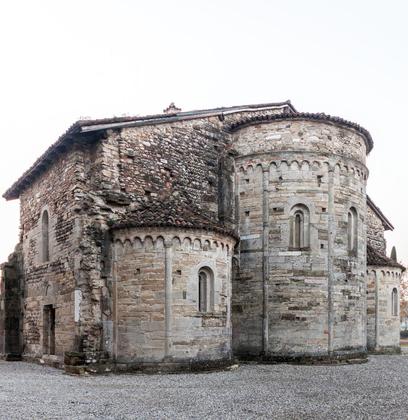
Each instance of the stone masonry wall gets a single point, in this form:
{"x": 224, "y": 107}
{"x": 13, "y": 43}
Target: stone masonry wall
{"x": 186, "y": 160}
{"x": 198, "y": 162}
{"x": 90, "y": 185}
{"x": 155, "y": 289}
{"x": 383, "y": 327}
{"x": 299, "y": 302}
{"x": 375, "y": 232}
{"x": 51, "y": 282}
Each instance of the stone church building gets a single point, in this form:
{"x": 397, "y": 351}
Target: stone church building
{"x": 185, "y": 239}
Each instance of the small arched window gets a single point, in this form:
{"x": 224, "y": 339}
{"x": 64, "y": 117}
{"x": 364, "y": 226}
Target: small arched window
{"x": 205, "y": 290}
{"x": 394, "y": 302}
{"x": 299, "y": 231}
{"x": 352, "y": 231}
{"x": 45, "y": 237}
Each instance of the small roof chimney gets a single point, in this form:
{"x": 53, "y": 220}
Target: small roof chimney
{"x": 171, "y": 109}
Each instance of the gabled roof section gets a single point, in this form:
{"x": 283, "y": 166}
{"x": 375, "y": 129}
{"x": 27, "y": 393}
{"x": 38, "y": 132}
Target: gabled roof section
{"x": 118, "y": 122}
{"x": 385, "y": 222}
{"x": 87, "y": 126}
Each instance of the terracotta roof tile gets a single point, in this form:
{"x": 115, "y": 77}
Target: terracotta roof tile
{"x": 376, "y": 259}
{"x": 170, "y": 213}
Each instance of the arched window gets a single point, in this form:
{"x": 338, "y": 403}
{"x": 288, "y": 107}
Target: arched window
{"x": 299, "y": 228}
{"x": 299, "y": 231}
{"x": 205, "y": 290}
{"x": 352, "y": 231}
{"x": 394, "y": 302}
{"x": 45, "y": 237}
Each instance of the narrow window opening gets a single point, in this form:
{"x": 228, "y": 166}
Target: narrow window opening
{"x": 394, "y": 302}
{"x": 202, "y": 292}
{"x": 205, "y": 290}
{"x": 319, "y": 180}
{"x": 324, "y": 209}
{"x": 352, "y": 231}
{"x": 45, "y": 237}
{"x": 49, "y": 329}
{"x": 298, "y": 230}
{"x": 247, "y": 213}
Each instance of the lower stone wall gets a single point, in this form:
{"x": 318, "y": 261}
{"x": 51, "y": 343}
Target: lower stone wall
{"x": 157, "y": 318}
{"x": 49, "y": 292}
{"x": 383, "y": 322}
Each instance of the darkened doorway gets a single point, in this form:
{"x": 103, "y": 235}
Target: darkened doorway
{"x": 49, "y": 330}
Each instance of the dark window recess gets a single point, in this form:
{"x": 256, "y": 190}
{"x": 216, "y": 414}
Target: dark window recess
{"x": 321, "y": 246}
{"x": 45, "y": 237}
{"x": 247, "y": 213}
{"x": 202, "y": 292}
{"x": 319, "y": 180}
{"x": 178, "y": 272}
{"x": 324, "y": 209}
{"x": 247, "y": 180}
{"x": 148, "y": 193}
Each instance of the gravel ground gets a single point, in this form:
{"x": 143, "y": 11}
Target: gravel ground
{"x": 375, "y": 390}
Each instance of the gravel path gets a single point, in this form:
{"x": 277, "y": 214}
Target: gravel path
{"x": 375, "y": 390}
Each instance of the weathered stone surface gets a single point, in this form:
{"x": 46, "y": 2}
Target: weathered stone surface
{"x": 315, "y": 296}
{"x": 136, "y": 208}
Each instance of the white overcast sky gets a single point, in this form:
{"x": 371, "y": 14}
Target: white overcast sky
{"x": 62, "y": 60}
